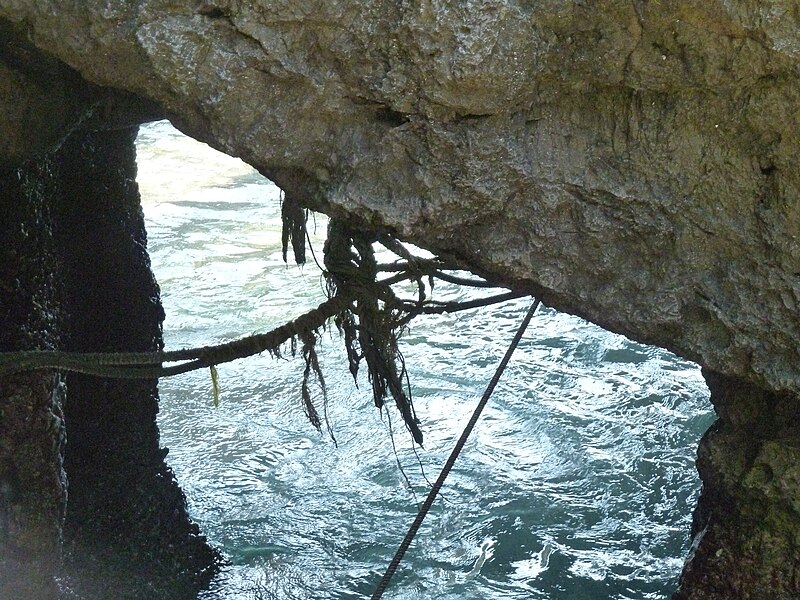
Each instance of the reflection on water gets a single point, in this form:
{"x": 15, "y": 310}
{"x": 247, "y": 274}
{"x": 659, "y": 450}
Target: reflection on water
{"x": 578, "y": 482}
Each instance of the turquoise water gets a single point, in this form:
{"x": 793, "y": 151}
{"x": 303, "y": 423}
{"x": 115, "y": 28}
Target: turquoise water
{"x": 578, "y": 482}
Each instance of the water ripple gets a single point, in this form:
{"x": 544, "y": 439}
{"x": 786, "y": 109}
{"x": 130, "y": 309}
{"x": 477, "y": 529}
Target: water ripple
{"x": 577, "y": 484}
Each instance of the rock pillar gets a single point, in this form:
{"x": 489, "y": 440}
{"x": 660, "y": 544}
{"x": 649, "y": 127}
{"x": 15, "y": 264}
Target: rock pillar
{"x": 746, "y": 529}
{"x": 33, "y": 490}
{"x": 123, "y": 497}
{"x": 81, "y": 467}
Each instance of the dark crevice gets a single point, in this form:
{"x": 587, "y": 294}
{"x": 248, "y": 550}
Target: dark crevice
{"x": 212, "y": 11}
{"x": 383, "y": 112}
{"x": 471, "y": 117}
{"x": 391, "y": 117}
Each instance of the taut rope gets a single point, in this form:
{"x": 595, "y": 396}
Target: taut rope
{"x": 423, "y": 511}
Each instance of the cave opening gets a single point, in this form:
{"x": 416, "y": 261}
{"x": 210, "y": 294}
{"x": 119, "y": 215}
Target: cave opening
{"x": 653, "y": 195}
{"x": 582, "y": 477}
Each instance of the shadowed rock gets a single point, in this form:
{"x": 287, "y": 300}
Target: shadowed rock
{"x": 634, "y": 163}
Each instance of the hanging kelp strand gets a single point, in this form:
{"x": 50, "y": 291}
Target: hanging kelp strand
{"x": 309, "y": 340}
{"x": 370, "y": 322}
{"x": 346, "y": 324}
{"x": 214, "y": 385}
{"x": 293, "y": 230}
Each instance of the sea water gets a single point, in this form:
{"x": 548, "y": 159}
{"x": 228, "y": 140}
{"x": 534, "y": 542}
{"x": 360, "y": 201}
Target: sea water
{"x": 578, "y": 482}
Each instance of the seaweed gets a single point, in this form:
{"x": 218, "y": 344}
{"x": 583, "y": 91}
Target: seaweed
{"x": 362, "y": 303}
{"x": 293, "y": 221}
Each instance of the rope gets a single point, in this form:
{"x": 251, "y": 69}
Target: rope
{"x": 146, "y": 365}
{"x": 423, "y": 511}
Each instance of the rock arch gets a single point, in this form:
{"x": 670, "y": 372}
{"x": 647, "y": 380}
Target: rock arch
{"x": 630, "y": 162}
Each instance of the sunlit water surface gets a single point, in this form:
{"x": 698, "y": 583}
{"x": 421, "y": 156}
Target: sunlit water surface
{"x": 578, "y": 482}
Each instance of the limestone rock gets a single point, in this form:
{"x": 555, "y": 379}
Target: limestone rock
{"x": 42, "y": 101}
{"x": 747, "y": 523}
{"x": 632, "y": 162}
{"x": 75, "y": 275}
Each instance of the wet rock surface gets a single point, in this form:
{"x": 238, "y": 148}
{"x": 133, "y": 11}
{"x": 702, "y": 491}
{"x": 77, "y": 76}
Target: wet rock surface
{"x": 123, "y": 497}
{"x": 84, "y": 489}
{"x": 746, "y": 527}
{"x": 33, "y": 483}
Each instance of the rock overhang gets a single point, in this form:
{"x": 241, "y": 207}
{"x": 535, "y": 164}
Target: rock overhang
{"x": 633, "y": 163}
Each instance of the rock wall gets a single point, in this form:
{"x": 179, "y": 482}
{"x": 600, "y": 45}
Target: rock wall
{"x": 81, "y": 468}
{"x": 632, "y": 162}
{"x": 33, "y": 483}
{"x": 123, "y": 499}
{"x": 746, "y": 528}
